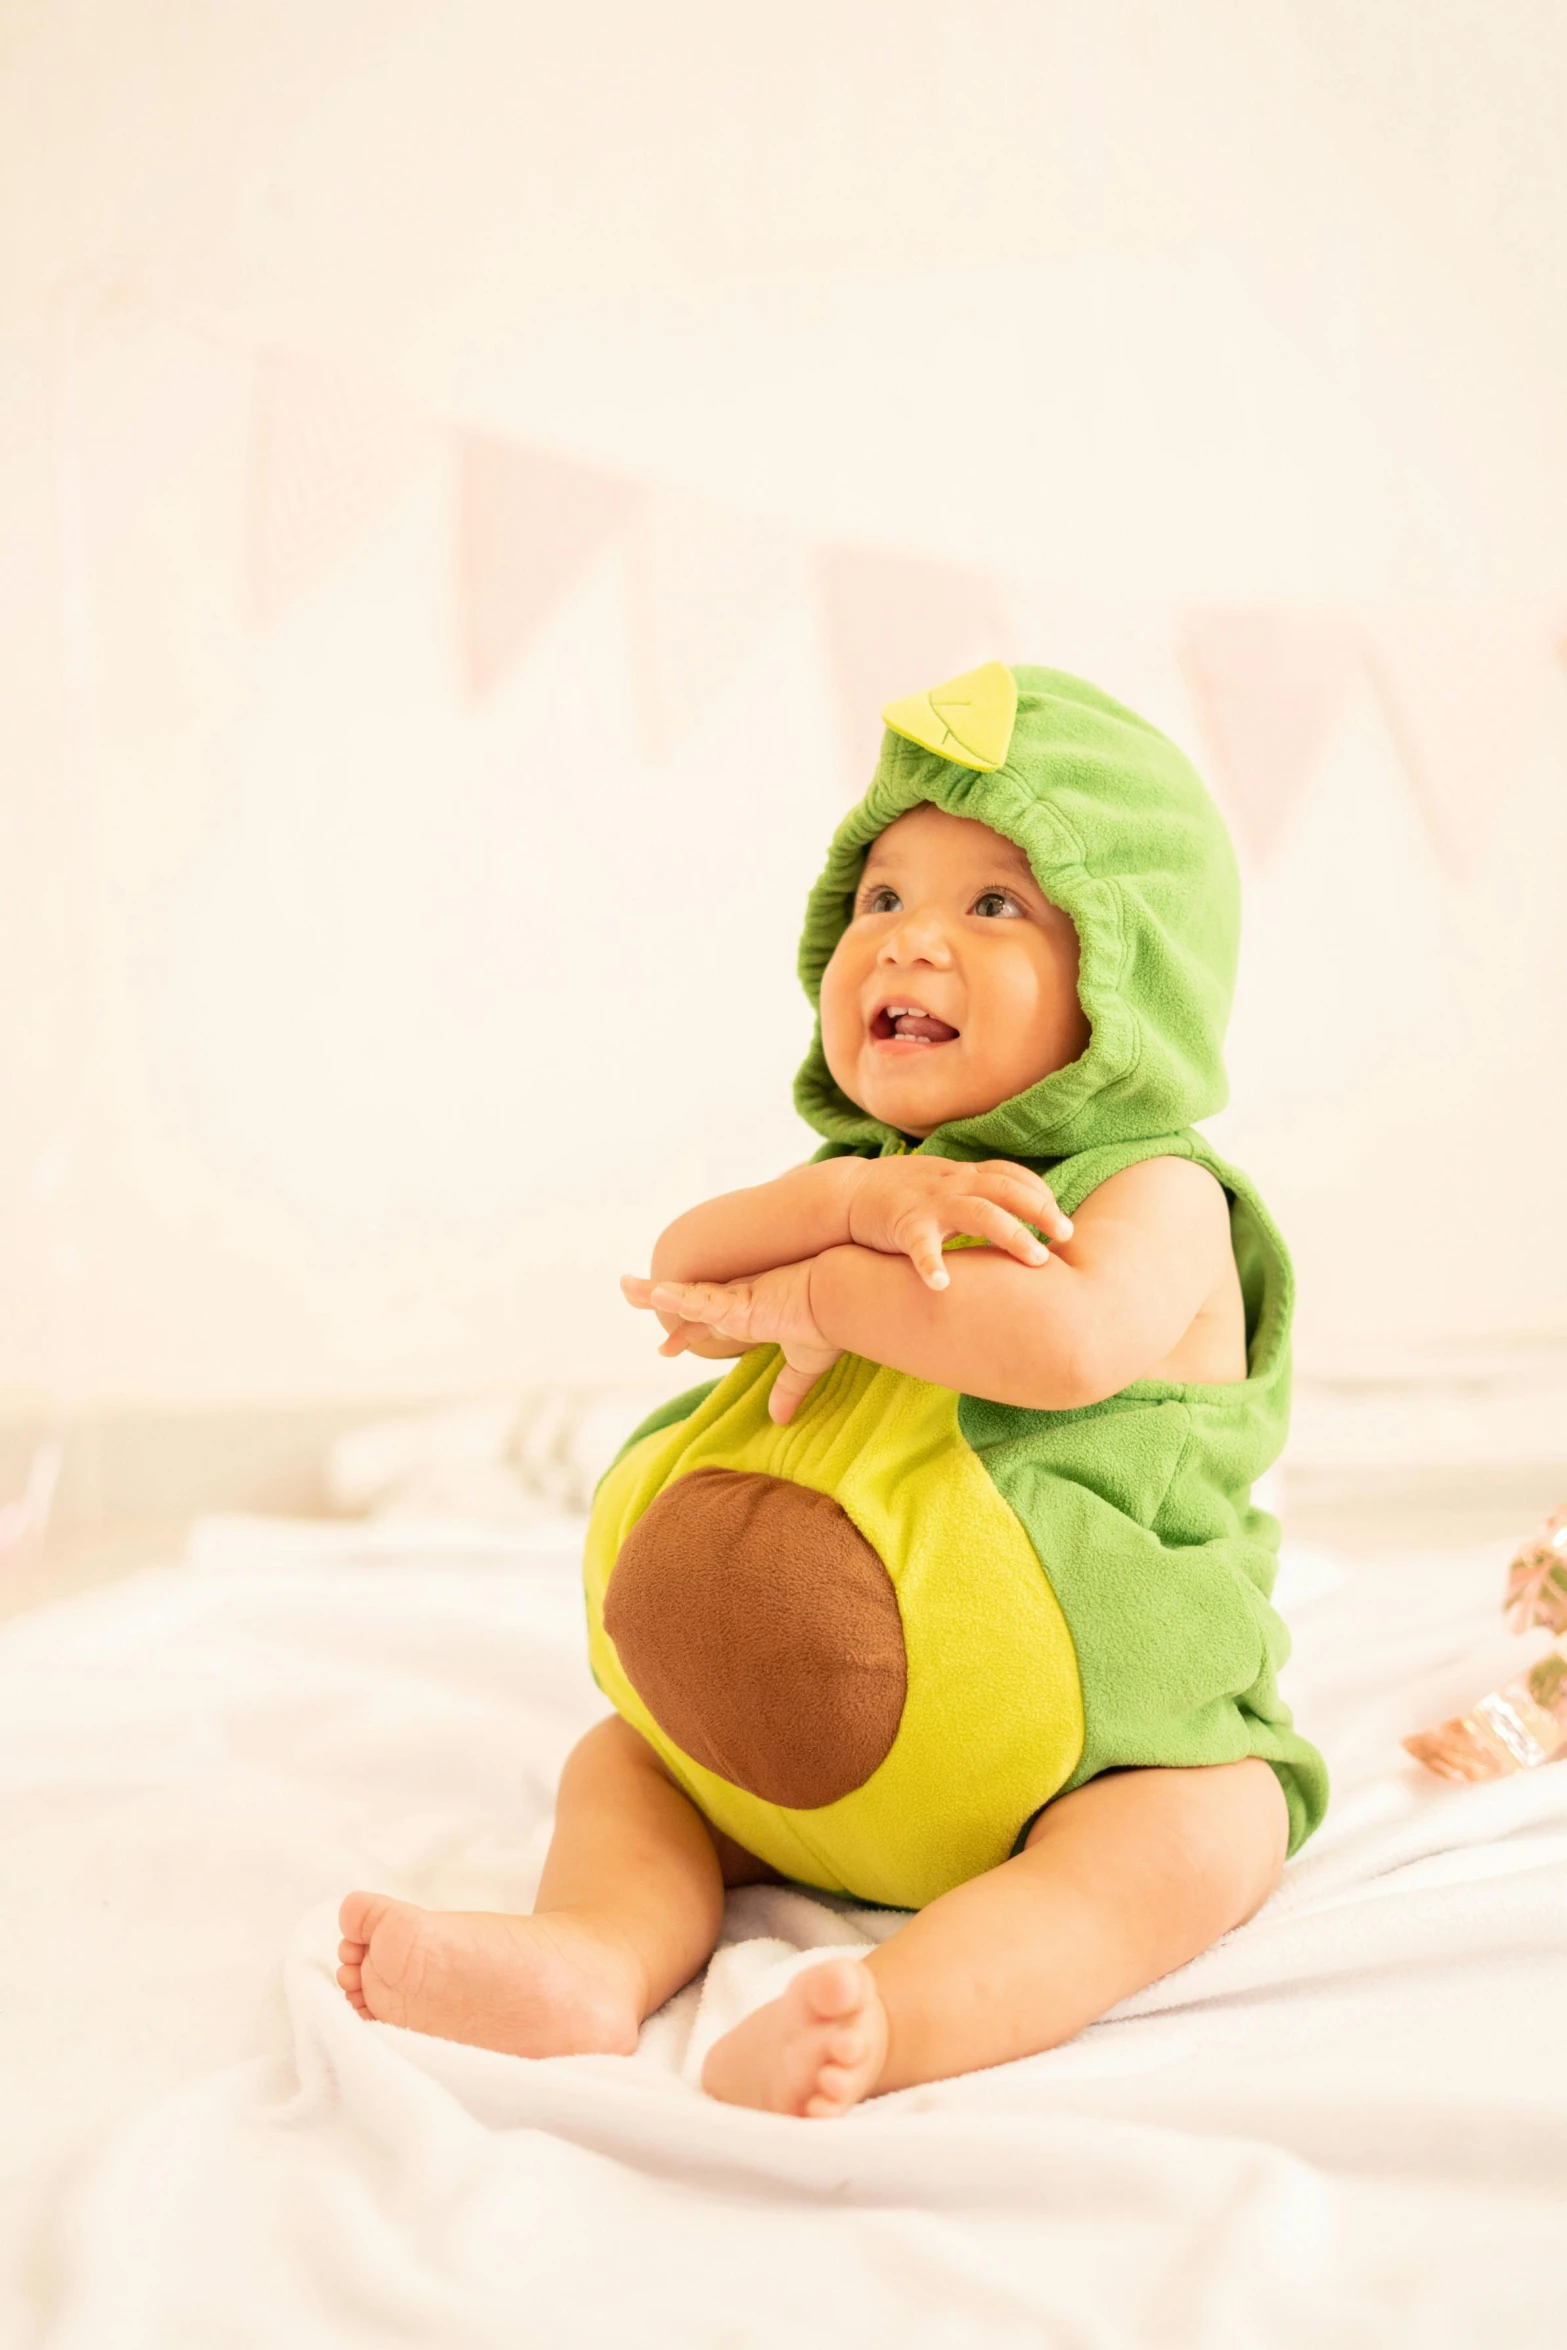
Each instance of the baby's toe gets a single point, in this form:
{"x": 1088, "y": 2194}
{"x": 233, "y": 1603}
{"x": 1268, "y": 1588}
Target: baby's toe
{"x": 360, "y": 1913}
{"x": 837, "y": 2081}
{"x": 825, "y": 2106}
{"x": 352, "y": 1988}
{"x": 836, "y": 1990}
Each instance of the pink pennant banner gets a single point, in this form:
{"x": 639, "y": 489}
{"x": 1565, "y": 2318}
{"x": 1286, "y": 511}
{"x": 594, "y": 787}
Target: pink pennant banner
{"x": 528, "y": 525}
{"x": 328, "y": 456}
{"x": 1463, "y": 688}
{"x": 1267, "y": 686}
{"x": 895, "y": 625}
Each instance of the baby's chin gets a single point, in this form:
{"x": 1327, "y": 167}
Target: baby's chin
{"x": 915, "y": 1100}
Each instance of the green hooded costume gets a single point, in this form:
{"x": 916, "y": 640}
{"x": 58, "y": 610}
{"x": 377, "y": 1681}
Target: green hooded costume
{"x": 872, "y": 1644}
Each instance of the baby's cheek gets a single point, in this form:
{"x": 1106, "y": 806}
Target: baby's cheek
{"x": 1031, "y": 1026}
{"x": 840, "y": 1019}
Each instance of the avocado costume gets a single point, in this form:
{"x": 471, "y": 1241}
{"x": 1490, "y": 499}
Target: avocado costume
{"x": 872, "y": 1644}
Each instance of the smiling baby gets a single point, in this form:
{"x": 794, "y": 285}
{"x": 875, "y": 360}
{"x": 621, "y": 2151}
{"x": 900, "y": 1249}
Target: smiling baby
{"x": 951, "y": 1595}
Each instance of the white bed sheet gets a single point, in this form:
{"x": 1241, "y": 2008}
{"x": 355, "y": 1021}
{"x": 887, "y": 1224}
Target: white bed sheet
{"x": 1347, "y": 2124}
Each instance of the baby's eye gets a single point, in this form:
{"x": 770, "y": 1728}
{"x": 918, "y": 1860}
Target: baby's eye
{"x": 880, "y": 900}
{"x": 996, "y": 901}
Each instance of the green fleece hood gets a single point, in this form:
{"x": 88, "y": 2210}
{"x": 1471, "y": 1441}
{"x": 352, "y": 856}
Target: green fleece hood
{"x": 1123, "y": 837}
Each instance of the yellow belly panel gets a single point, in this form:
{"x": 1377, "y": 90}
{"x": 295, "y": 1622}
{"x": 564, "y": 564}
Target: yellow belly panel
{"x": 992, "y": 1724}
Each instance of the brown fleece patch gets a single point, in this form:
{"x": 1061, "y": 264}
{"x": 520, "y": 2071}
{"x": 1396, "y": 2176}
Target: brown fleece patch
{"x": 761, "y": 1631}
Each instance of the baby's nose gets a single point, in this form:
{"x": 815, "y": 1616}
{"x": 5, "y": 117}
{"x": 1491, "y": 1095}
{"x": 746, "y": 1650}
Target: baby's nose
{"x": 920, "y": 937}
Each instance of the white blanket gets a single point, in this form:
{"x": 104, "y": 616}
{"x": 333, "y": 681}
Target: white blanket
{"x": 1346, "y": 2125}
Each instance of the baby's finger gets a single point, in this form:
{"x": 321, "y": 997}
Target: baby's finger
{"x": 635, "y": 1290}
{"x": 727, "y": 1310}
{"x": 922, "y": 1246}
{"x": 1054, "y": 1219}
{"x": 789, "y": 1391}
{"x": 1026, "y": 1194}
{"x": 981, "y": 1219}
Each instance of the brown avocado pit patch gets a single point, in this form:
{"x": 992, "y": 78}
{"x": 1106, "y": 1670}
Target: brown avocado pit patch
{"x": 761, "y": 1631}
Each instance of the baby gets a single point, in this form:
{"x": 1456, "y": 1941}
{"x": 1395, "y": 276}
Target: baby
{"x": 951, "y": 1595}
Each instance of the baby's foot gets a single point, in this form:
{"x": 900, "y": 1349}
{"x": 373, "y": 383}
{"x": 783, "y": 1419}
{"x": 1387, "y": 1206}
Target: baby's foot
{"x": 816, "y": 2051}
{"x": 538, "y": 1986}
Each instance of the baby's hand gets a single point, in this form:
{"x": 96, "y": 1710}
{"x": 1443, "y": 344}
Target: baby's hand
{"x": 909, "y": 1206}
{"x": 769, "y": 1309}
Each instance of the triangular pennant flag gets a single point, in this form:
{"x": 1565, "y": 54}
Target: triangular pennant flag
{"x": 328, "y": 455}
{"x": 528, "y": 525}
{"x": 969, "y": 720}
{"x": 892, "y": 623}
{"x": 1267, "y": 687}
{"x": 1463, "y": 689}
{"x": 703, "y": 582}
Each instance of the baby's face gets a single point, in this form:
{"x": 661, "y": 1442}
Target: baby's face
{"x": 955, "y": 985}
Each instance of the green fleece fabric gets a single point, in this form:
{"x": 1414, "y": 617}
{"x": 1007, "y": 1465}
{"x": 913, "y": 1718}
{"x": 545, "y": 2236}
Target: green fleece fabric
{"x": 1138, "y": 1509}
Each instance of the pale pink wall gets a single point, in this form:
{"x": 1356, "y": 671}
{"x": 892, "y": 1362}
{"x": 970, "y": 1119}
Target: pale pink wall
{"x": 384, "y": 1028}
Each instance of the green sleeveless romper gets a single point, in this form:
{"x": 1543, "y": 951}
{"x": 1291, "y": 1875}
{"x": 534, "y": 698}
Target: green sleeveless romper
{"x": 871, "y": 1645}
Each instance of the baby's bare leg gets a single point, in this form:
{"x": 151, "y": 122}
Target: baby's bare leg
{"x": 629, "y": 1907}
{"x": 1118, "y": 1884}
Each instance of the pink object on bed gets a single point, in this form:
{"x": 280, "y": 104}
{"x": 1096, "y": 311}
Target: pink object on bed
{"x": 1524, "y": 1723}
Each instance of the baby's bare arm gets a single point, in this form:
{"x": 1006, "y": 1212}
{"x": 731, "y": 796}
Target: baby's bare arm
{"x": 758, "y": 1247}
{"x": 796, "y": 1215}
{"x": 900, "y": 1206}
{"x": 741, "y": 1233}
{"x": 1149, "y": 1262}
{"x": 1149, "y": 1250}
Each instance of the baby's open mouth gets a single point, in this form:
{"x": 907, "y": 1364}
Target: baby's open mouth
{"x": 910, "y": 1022}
